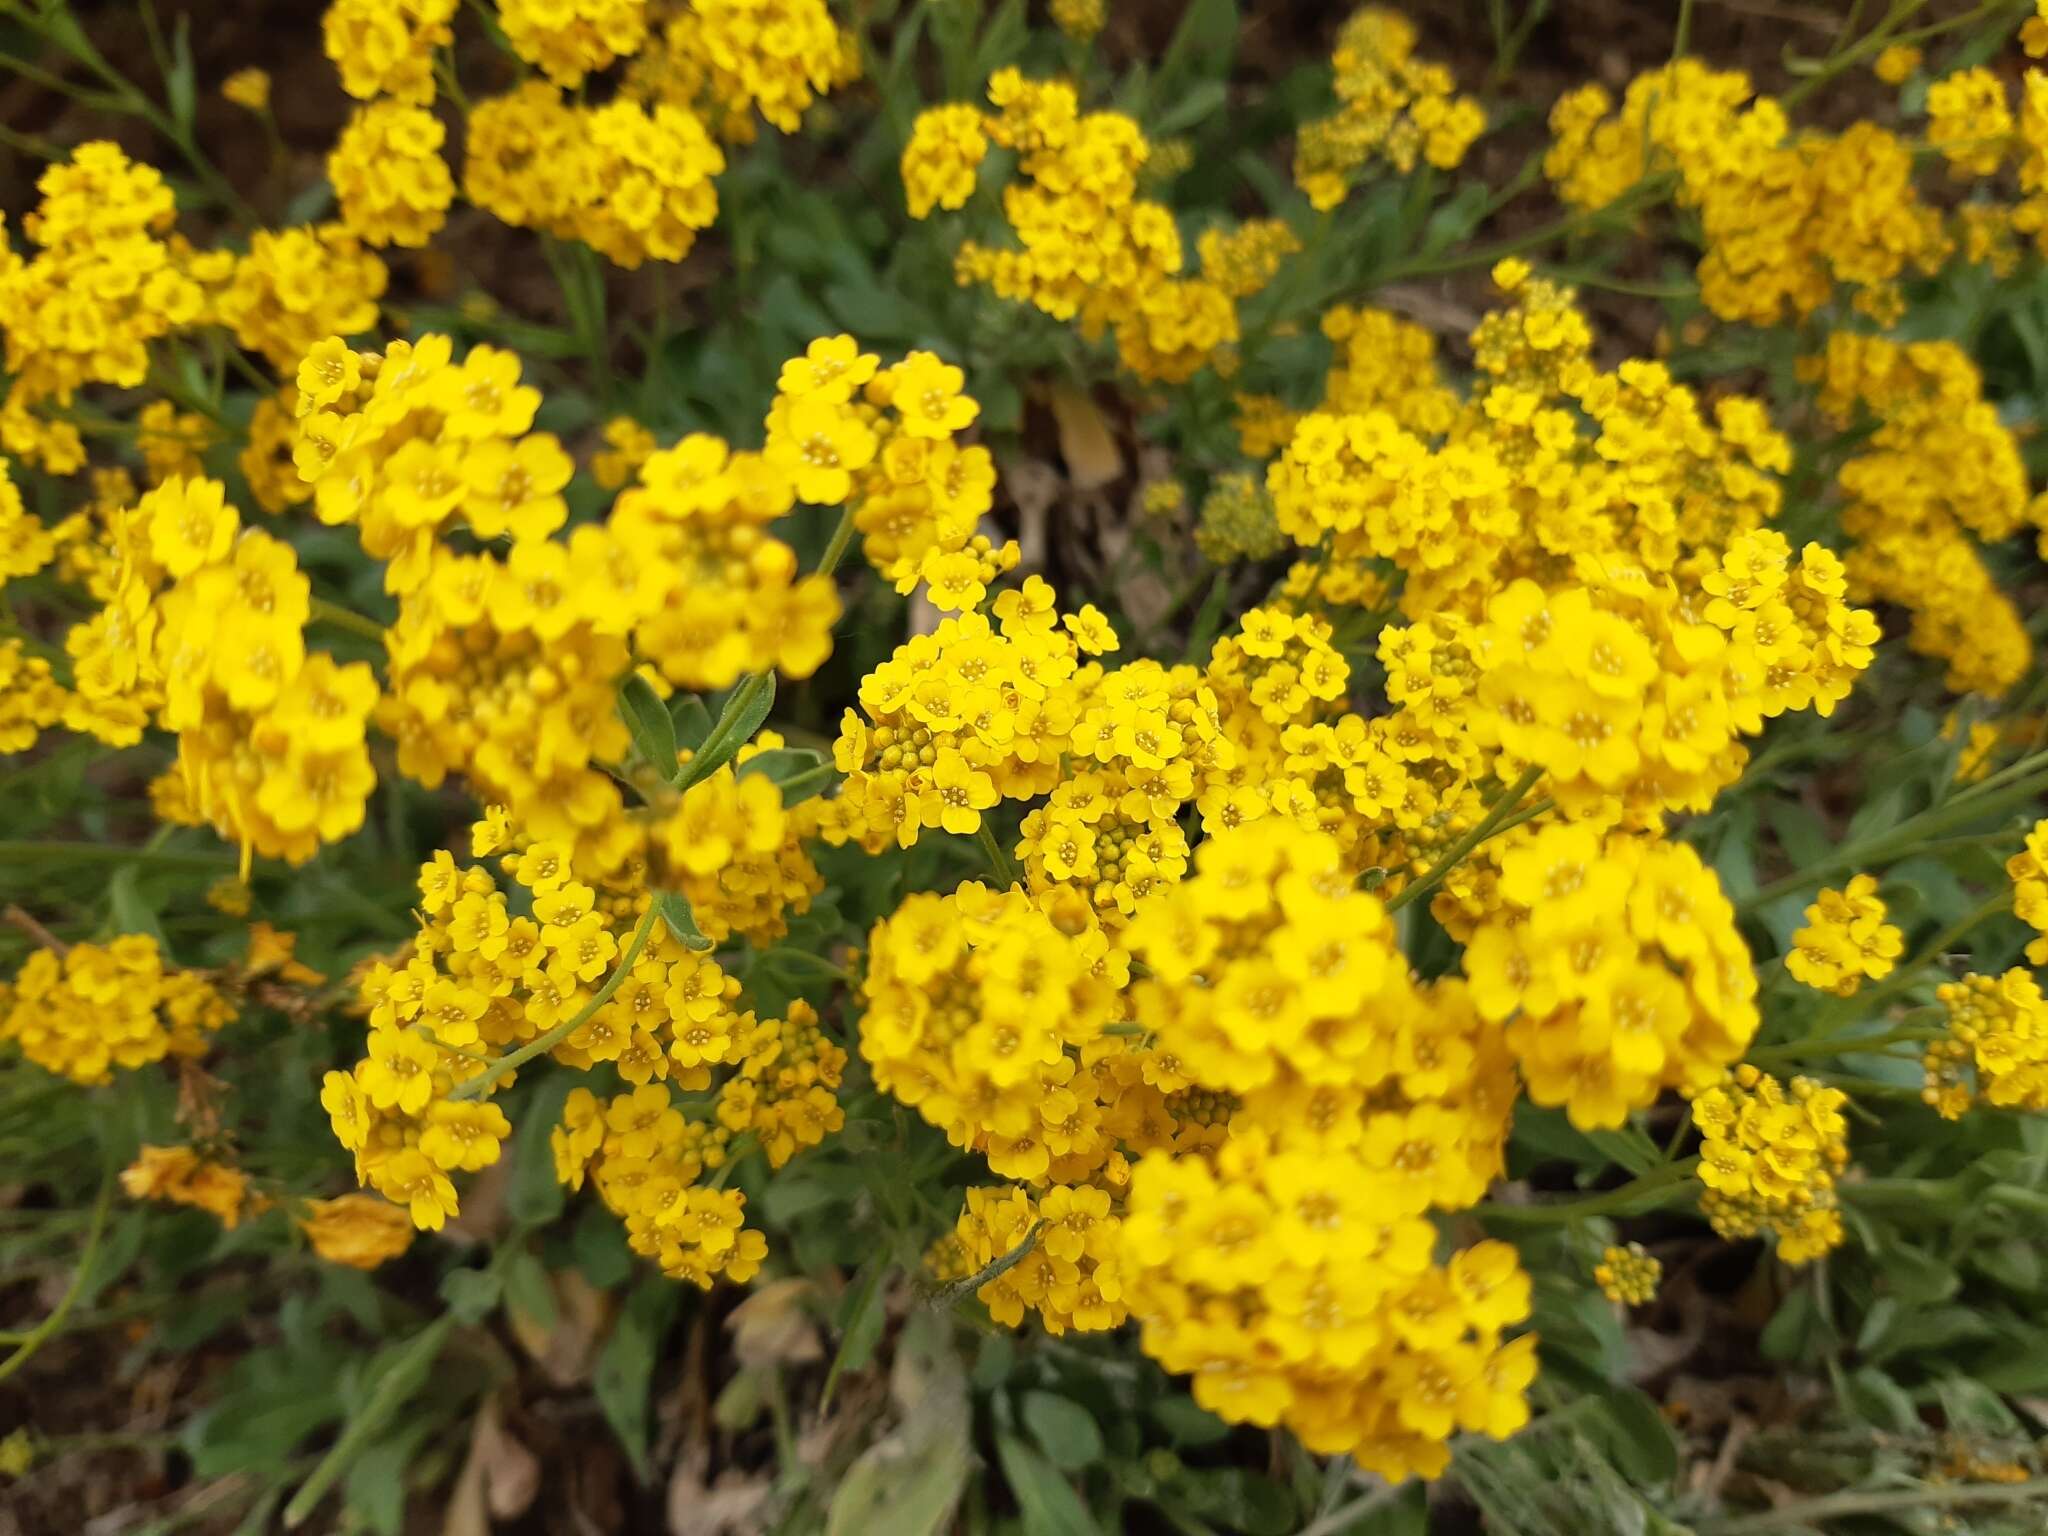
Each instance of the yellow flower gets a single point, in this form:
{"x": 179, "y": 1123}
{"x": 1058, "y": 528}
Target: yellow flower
{"x": 360, "y": 1231}
{"x": 248, "y": 88}
{"x": 190, "y": 524}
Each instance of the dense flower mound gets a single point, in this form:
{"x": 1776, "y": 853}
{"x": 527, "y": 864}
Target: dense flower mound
{"x": 1079, "y": 700}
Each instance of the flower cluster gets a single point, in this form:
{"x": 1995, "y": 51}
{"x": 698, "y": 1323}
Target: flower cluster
{"x": 1395, "y": 107}
{"x": 2028, "y": 871}
{"x": 649, "y": 1161}
{"x": 205, "y": 629}
{"x": 597, "y": 979}
{"x": 631, "y": 181}
{"x": 1287, "y": 1264}
{"x": 1846, "y": 940}
{"x": 728, "y": 59}
{"x": 1553, "y": 467}
{"x": 1237, "y": 522}
{"x": 1617, "y": 968}
{"x": 1090, "y": 248}
{"x": 386, "y": 47}
{"x": 988, "y": 1020}
{"x": 568, "y": 39}
{"x": 1769, "y": 1154}
{"x": 736, "y": 852}
{"x": 956, "y": 720}
{"x": 1067, "y": 1274}
{"x": 106, "y": 280}
{"x": 1786, "y": 219}
{"x": 100, "y": 1007}
{"x": 389, "y": 178}
{"x": 1936, "y": 474}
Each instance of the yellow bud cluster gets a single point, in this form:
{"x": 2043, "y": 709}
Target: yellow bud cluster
{"x": 1628, "y": 1276}
{"x": 1998, "y": 1036}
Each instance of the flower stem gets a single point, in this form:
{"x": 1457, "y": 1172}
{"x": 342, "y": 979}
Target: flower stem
{"x": 320, "y": 611}
{"x": 998, "y": 861}
{"x": 41, "y": 1333}
{"x": 505, "y": 1065}
{"x": 1495, "y": 816}
{"x": 1657, "y": 1183}
{"x": 1989, "y": 798}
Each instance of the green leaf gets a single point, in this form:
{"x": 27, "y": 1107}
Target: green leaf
{"x": 131, "y": 913}
{"x": 533, "y": 1195}
{"x": 1049, "y": 1505}
{"x": 1187, "y": 1423}
{"x": 799, "y": 772}
{"x": 1002, "y": 40}
{"x": 1064, "y": 1430}
{"x": 1880, "y": 1401}
{"x": 691, "y": 720}
{"x": 650, "y": 725}
{"x": 471, "y": 1295}
{"x": 376, "y": 1486}
{"x": 400, "y": 1370}
{"x": 527, "y": 1288}
{"x": 1787, "y": 1336}
{"x": 675, "y": 911}
{"x": 625, "y": 1367}
{"x": 599, "y": 1245}
{"x": 1201, "y": 45}
{"x": 180, "y": 80}
{"x": 909, "y": 1482}
{"x": 1191, "y": 107}
{"x": 1240, "y": 1500}
{"x": 861, "y": 1316}
{"x": 745, "y": 708}
{"x": 1635, "y": 1437}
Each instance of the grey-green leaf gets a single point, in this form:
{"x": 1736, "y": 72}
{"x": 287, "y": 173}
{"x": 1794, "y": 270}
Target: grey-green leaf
{"x": 648, "y": 721}
{"x": 1045, "y": 1498}
{"x": 675, "y": 911}
{"x": 625, "y": 1368}
{"x": 691, "y": 719}
{"x": 1064, "y": 1430}
{"x": 799, "y": 772}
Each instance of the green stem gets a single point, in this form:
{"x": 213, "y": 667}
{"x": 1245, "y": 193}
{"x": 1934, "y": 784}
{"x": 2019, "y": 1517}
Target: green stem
{"x": 1650, "y": 190}
{"x": 1983, "y": 800}
{"x": 998, "y": 861}
{"x": 1488, "y": 824}
{"x": 107, "y": 853}
{"x": 124, "y": 95}
{"x": 41, "y": 1333}
{"x": 1837, "y": 1045}
{"x": 835, "y": 549}
{"x": 1805, "y": 1513}
{"x": 322, "y": 611}
{"x": 1657, "y": 1182}
{"x": 740, "y": 1147}
{"x": 482, "y": 1083}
